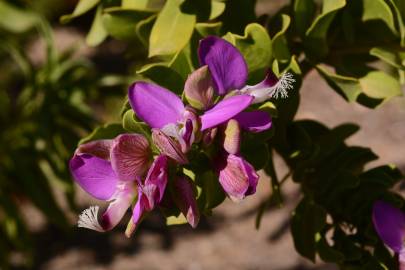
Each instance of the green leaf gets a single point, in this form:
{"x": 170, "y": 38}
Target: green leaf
{"x": 143, "y": 29}
{"x": 16, "y": 20}
{"x": 304, "y": 11}
{"x": 378, "y": 10}
{"x": 97, "y": 33}
{"x": 163, "y": 75}
{"x": 347, "y": 87}
{"x": 389, "y": 56}
{"x": 108, "y": 131}
{"x": 328, "y": 253}
{"x": 217, "y": 8}
{"x": 255, "y": 46}
{"x": 173, "y": 220}
{"x": 207, "y": 29}
{"x": 307, "y": 221}
{"x": 398, "y": 6}
{"x": 152, "y": 5}
{"x": 171, "y": 31}
{"x": 315, "y": 40}
{"x": 280, "y": 48}
{"x": 129, "y": 123}
{"x": 212, "y": 193}
{"x": 82, "y": 7}
{"x": 379, "y": 85}
{"x": 121, "y": 24}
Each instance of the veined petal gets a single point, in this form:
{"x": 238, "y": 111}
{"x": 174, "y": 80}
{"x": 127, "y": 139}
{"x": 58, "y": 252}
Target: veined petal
{"x": 238, "y": 178}
{"x": 186, "y": 201}
{"x": 130, "y": 155}
{"x": 389, "y": 222}
{"x": 199, "y": 89}
{"x": 98, "y": 148}
{"x": 232, "y": 135}
{"x": 168, "y": 146}
{"x": 95, "y": 175}
{"x": 227, "y": 66}
{"x": 157, "y": 176}
{"x": 225, "y": 110}
{"x": 270, "y": 87}
{"x": 155, "y": 105}
{"x": 256, "y": 121}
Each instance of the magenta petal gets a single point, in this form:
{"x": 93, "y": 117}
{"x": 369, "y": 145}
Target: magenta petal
{"x": 155, "y": 105}
{"x": 94, "y": 175}
{"x": 186, "y": 201}
{"x": 226, "y": 64}
{"x": 117, "y": 209}
{"x": 389, "y": 222}
{"x": 238, "y": 178}
{"x": 130, "y": 156}
{"x": 157, "y": 176}
{"x": 98, "y": 148}
{"x": 139, "y": 209}
{"x": 225, "y": 110}
{"x": 255, "y": 121}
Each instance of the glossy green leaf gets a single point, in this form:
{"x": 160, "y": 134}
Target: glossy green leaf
{"x": 121, "y": 24}
{"x": 304, "y": 11}
{"x": 81, "y": 8}
{"x": 16, "y": 20}
{"x": 280, "y": 47}
{"x": 380, "y": 85}
{"x": 378, "y": 10}
{"x": 171, "y": 31}
{"x": 212, "y": 193}
{"x": 162, "y": 74}
{"x": 97, "y": 33}
{"x": 108, "y": 131}
{"x": 144, "y": 28}
{"x": 217, "y": 8}
{"x": 389, "y": 56}
{"x": 347, "y": 87}
{"x": 255, "y": 47}
{"x": 207, "y": 29}
{"x": 142, "y": 4}
{"x": 129, "y": 123}
{"x": 315, "y": 40}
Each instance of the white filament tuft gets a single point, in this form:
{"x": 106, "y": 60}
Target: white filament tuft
{"x": 89, "y": 219}
{"x": 284, "y": 84}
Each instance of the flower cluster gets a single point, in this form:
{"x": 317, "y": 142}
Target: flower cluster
{"x": 149, "y": 170}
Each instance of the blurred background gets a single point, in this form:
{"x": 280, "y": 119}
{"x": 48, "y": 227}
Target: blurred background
{"x": 54, "y": 89}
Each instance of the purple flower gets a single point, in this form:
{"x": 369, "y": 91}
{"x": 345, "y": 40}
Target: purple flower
{"x": 184, "y": 198}
{"x": 164, "y": 110}
{"x": 229, "y": 72}
{"x": 107, "y": 169}
{"x": 150, "y": 191}
{"x": 389, "y": 222}
{"x": 237, "y": 177}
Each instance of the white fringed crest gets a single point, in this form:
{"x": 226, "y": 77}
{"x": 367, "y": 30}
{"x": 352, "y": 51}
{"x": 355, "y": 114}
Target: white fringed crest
{"x": 89, "y": 219}
{"x": 284, "y": 84}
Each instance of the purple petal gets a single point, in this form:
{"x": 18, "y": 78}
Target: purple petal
{"x": 199, "y": 89}
{"x": 168, "y": 146}
{"x": 139, "y": 211}
{"x": 155, "y": 105}
{"x": 389, "y": 222}
{"x": 238, "y": 178}
{"x": 256, "y": 121}
{"x": 98, "y": 148}
{"x": 186, "y": 201}
{"x": 225, "y": 110}
{"x": 157, "y": 176}
{"x": 402, "y": 259}
{"x": 130, "y": 156}
{"x": 226, "y": 64}
{"x": 94, "y": 175}
{"x": 117, "y": 209}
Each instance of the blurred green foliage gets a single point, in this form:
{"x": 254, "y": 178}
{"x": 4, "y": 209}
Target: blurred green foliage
{"x": 358, "y": 48}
